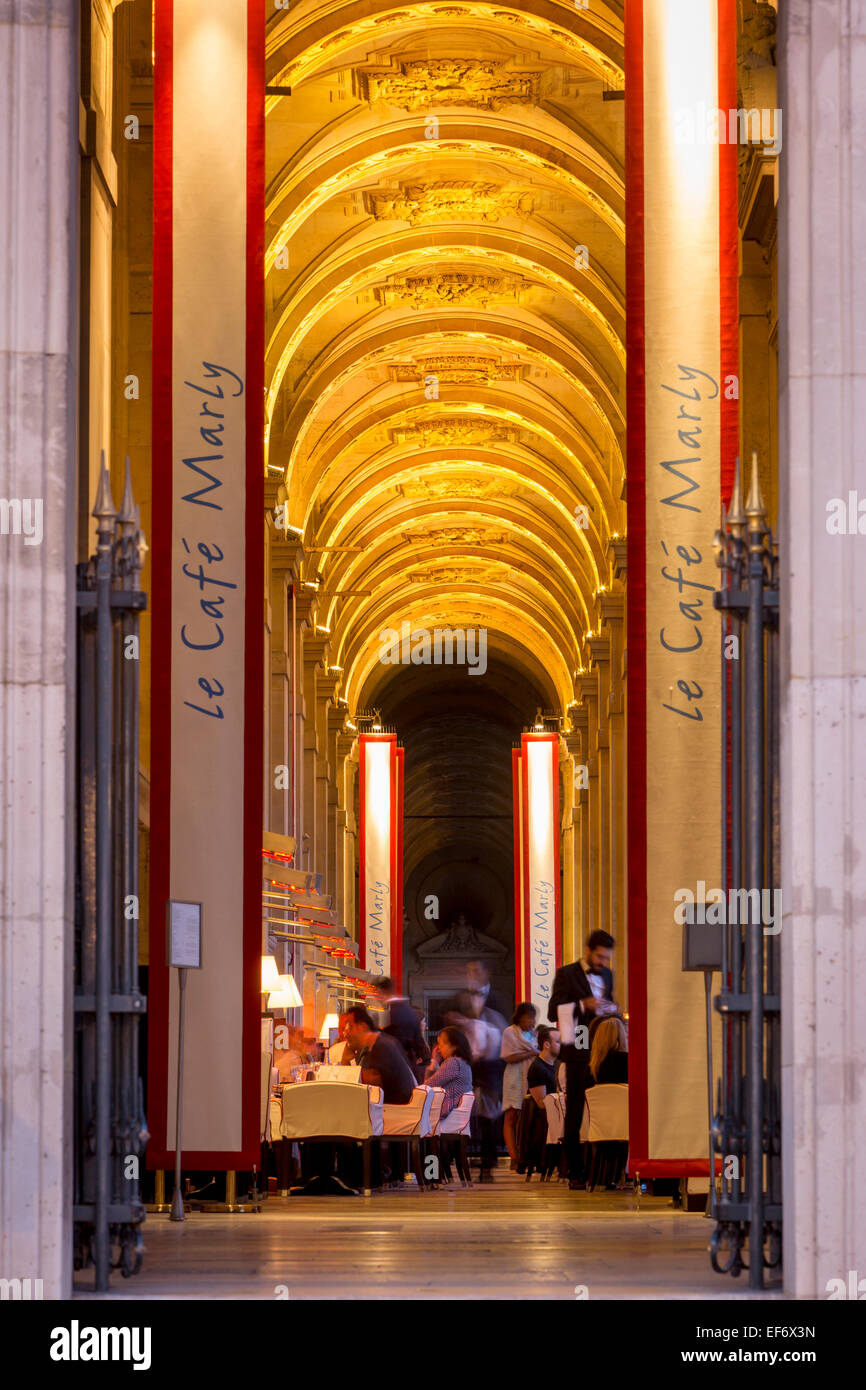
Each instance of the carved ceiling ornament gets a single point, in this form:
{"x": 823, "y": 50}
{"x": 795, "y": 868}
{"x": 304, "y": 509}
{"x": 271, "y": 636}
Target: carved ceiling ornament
{"x": 457, "y": 289}
{"x": 466, "y": 574}
{"x": 455, "y": 535}
{"x": 434, "y": 490}
{"x": 450, "y": 200}
{"x": 455, "y": 433}
{"x": 458, "y": 371}
{"x": 420, "y": 84}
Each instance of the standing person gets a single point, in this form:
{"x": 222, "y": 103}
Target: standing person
{"x": 478, "y": 982}
{"x": 581, "y": 991}
{"x": 484, "y": 1028}
{"x": 518, "y": 1049}
{"x": 404, "y": 1024}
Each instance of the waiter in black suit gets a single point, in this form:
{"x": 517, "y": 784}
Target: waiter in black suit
{"x": 581, "y": 992}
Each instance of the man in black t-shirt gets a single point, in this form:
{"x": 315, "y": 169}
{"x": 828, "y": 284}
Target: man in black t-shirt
{"x": 382, "y": 1059}
{"x": 541, "y": 1077}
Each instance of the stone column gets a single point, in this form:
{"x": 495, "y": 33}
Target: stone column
{"x": 38, "y": 403}
{"x": 600, "y": 650}
{"x": 613, "y": 615}
{"x": 587, "y": 690}
{"x": 822, "y": 437}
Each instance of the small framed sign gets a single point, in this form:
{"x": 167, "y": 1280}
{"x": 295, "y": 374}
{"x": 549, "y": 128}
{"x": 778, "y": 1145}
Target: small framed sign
{"x": 183, "y": 948}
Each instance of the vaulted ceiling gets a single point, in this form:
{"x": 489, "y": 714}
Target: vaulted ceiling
{"x": 445, "y": 359}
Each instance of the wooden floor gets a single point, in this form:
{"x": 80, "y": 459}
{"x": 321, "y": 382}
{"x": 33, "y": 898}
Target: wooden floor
{"x": 503, "y": 1240}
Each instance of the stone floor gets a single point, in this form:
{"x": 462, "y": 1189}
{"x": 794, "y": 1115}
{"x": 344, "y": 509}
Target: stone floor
{"x": 504, "y": 1240}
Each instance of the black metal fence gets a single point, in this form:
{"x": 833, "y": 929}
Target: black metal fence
{"x": 746, "y": 1128}
{"x": 109, "y": 1124}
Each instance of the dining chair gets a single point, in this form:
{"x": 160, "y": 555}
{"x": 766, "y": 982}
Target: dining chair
{"x": 409, "y": 1124}
{"x": 607, "y": 1132}
{"x": 337, "y": 1113}
{"x": 455, "y": 1129}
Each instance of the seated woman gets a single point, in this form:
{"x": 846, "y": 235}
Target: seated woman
{"x": 608, "y": 1059}
{"x": 450, "y": 1067}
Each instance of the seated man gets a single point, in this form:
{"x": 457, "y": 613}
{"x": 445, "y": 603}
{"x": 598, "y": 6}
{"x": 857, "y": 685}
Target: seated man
{"x": 540, "y": 1082}
{"x": 342, "y": 1053}
{"x": 382, "y": 1060}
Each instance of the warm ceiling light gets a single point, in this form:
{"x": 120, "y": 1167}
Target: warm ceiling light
{"x": 286, "y": 995}
{"x": 270, "y": 974}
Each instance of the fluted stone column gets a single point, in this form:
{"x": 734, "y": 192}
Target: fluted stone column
{"x": 38, "y": 403}
{"x": 822, "y": 314}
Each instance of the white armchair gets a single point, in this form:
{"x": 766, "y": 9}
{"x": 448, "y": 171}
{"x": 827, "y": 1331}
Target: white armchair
{"x": 337, "y": 1112}
{"x": 554, "y": 1104}
{"x": 454, "y": 1130}
{"x": 410, "y": 1124}
{"x": 412, "y": 1119}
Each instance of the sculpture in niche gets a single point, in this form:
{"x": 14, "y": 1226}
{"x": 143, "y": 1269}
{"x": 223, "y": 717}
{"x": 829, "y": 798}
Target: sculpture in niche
{"x": 757, "y": 46}
{"x": 462, "y": 939}
{"x": 455, "y": 289}
{"x": 450, "y": 201}
{"x": 485, "y": 85}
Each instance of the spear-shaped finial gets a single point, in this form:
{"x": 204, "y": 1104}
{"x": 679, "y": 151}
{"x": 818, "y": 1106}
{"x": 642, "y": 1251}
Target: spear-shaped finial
{"x": 103, "y": 508}
{"x": 720, "y": 542}
{"x": 126, "y": 515}
{"x": 755, "y": 509}
{"x": 736, "y": 515}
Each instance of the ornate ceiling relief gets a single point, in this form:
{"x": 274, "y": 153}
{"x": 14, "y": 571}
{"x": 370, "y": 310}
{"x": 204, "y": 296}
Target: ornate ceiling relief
{"x": 450, "y": 201}
{"x": 452, "y": 289}
{"x": 456, "y": 535}
{"x": 456, "y": 487}
{"x": 474, "y": 574}
{"x": 488, "y": 86}
{"x": 428, "y": 434}
{"x": 458, "y": 371}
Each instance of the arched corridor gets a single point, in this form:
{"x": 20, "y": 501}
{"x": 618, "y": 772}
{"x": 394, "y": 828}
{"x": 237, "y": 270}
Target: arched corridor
{"x": 431, "y": 667}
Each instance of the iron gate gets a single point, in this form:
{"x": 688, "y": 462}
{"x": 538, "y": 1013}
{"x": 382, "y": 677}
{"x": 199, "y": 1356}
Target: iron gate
{"x": 746, "y": 1127}
{"x": 109, "y": 1125}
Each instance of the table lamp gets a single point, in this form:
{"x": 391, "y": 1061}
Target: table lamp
{"x": 332, "y": 1021}
{"x": 270, "y": 974}
{"x": 286, "y": 995}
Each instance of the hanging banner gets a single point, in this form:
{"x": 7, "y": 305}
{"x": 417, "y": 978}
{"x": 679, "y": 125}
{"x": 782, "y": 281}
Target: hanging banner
{"x": 207, "y": 681}
{"x": 681, "y": 245}
{"x": 380, "y": 847}
{"x": 537, "y": 909}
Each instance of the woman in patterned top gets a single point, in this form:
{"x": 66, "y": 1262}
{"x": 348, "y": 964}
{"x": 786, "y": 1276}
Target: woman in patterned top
{"x": 451, "y": 1067}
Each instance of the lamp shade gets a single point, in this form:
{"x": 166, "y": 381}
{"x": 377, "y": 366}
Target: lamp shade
{"x": 286, "y": 995}
{"x": 331, "y": 1021}
{"x": 270, "y": 974}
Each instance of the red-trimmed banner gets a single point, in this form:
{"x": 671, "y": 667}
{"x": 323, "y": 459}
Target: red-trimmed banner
{"x": 537, "y": 909}
{"x": 380, "y": 854}
{"x": 207, "y": 680}
{"x": 682, "y": 393}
